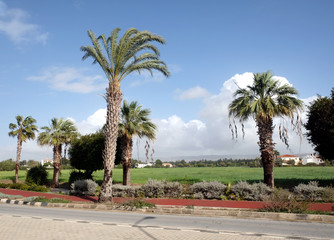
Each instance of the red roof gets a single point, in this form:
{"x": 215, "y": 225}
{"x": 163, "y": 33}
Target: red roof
{"x": 287, "y": 156}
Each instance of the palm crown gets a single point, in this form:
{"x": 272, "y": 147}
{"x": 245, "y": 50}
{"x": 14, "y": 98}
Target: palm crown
{"x": 25, "y": 128}
{"x": 119, "y": 57}
{"x": 265, "y": 99}
{"x": 136, "y": 121}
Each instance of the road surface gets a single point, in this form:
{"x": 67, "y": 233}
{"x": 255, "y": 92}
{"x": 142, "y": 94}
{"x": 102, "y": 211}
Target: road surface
{"x": 24, "y": 222}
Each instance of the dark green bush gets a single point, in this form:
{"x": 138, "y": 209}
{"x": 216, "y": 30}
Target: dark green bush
{"x": 19, "y": 186}
{"x": 75, "y": 176}
{"x": 38, "y": 189}
{"x": 4, "y": 185}
{"x": 37, "y": 176}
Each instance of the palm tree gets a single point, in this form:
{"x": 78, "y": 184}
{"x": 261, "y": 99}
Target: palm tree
{"x": 118, "y": 59}
{"x": 263, "y": 101}
{"x": 60, "y": 132}
{"x": 134, "y": 122}
{"x": 24, "y": 129}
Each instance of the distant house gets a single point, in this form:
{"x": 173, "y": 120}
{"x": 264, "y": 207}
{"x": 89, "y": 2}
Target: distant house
{"x": 312, "y": 158}
{"x": 43, "y": 161}
{"x": 287, "y": 158}
{"x": 142, "y": 165}
{"x": 167, "y": 165}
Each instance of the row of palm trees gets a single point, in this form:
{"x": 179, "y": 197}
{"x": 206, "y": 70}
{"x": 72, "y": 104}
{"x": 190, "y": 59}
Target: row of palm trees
{"x": 134, "y": 52}
{"x": 59, "y": 133}
{"x": 263, "y": 100}
{"x": 134, "y": 121}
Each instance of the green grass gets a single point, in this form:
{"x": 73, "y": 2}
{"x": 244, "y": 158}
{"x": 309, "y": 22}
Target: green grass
{"x": 284, "y": 176}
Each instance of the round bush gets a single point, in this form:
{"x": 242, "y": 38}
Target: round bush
{"x": 75, "y": 175}
{"x": 37, "y": 176}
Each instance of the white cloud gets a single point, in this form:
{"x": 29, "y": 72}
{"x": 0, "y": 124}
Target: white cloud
{"x": 14, "y": 24}
{"x": 207, "y": 135}
{"x": 93, "y": 123}
{"x": 71, "y": 80}
{"x": 193, "y": 93}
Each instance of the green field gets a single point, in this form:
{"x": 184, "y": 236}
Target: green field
{"x": 284, "y": 177}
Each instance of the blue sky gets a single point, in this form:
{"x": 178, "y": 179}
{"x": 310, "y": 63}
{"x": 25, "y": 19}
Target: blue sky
{"x": 210, "y": 45}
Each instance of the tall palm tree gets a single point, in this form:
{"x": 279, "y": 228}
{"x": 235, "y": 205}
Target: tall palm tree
{"x": 58, "y": 133}
{"x": 134, "y": 122}
{"x": 24, "y": 129}
{"x": 119, "y": 58}
{"x": 263, "y": 101}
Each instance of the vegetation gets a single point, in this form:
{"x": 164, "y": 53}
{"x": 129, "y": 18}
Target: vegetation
{"x": 60, "y": 132}
{"x": 86, "y": 153}
{"x": 263, "y": 101}
{"x": 134, "y": 122}
{"x": 24, "y": 129}
{"x": 7, "y": 165}
{"x": 37, "y": 176}
{"x": 320, "y": 125}
{"x": 117, "y": 60}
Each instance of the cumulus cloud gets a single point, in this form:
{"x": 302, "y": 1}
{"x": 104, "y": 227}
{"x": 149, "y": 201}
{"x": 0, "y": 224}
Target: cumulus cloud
{"x": 71, "y": 80}
{"x": 93, "y": 123}
{"x": 193, "y": 93}
{"x": 14, "y": 23}
{"x": 209, "y": 134}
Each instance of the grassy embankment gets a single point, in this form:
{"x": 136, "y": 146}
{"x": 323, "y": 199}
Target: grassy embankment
{"x": 284, "y": 177}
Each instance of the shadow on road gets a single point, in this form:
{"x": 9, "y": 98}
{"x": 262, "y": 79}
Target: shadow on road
{"x": 142, "y": 228}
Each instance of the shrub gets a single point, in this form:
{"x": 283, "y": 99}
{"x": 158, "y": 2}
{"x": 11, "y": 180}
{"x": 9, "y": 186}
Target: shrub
{"x": 84, "y": 187}
{"x": 125, "y": 191}
{"x": 4, "y": 185}
{"x": 284, "y": 201}
{"x": 252, "y": 192}
{"x": 38, "y": 189}
{"x": 75, "y": 175}
{"x": 309, "y": 192}
{"x": 137, "y": 204}
{"x": 19, "y": 186}
{"x": 43, "y": 199}
{"x": 37, "y": 176}
{"x": 208, "y": 190}
{"x": 172, "y": 189}
{"x": 153, "y": 189}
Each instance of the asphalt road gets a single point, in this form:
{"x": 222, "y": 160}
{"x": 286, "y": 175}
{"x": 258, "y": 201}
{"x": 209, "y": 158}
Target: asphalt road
{"x": 202, "y": 227}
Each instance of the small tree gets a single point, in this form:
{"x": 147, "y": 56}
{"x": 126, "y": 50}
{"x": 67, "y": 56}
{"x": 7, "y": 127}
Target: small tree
{"x": 24, "y": 129}
{"x": 320, "y": 125}
{"x": 86, "y": 153}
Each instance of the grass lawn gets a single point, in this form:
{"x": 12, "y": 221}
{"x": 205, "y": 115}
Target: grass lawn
{"x": 284, "y": 176}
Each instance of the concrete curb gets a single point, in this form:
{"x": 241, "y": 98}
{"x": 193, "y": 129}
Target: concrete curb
{"x": 185, "y": 210}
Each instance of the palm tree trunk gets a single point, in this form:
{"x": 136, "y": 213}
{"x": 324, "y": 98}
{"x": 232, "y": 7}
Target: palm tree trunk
{"x": 56, "y": 165}
{"x": 18, "y": 157}
{"x": 126, "y": 158}
{"x": 265, "y": 132}
{"x": 114, "y": 100}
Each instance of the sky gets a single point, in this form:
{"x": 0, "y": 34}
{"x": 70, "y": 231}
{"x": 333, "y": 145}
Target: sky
{"x": 211, "y": 47}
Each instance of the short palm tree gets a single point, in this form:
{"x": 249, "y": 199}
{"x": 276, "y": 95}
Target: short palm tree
{"x": 118, "y": 58}
{"x": 24, "y": 129}
{"x": 58, "y": 133}
{"x": 134, "y": 122}
{"x": 263, "y": 101}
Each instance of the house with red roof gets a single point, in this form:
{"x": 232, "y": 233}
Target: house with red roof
{"x": 287, "y": 158}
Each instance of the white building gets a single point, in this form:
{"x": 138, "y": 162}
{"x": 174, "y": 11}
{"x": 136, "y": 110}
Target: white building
{"x": 43, "y": 161}
{"x": 312, "y": 158}
{"x": 286, "y": 158}
{"x": 142, "y": 165}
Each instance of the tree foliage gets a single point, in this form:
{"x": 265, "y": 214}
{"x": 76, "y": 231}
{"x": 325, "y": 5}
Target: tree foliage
{"x": 86, "y": 152}
{"x": 320, "y": 125}
{"x": 7, "y": 165}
